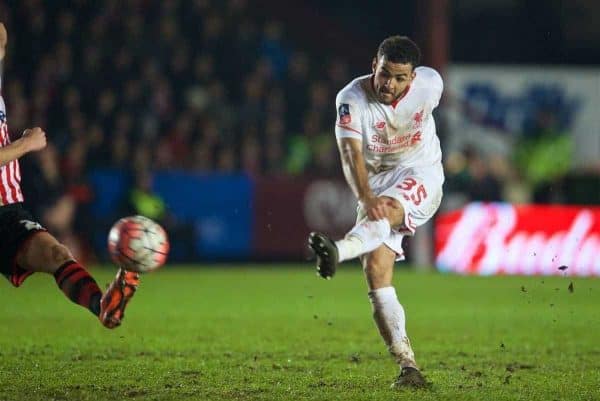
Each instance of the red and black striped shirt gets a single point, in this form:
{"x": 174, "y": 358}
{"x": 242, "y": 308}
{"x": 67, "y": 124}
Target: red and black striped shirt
{"x": 10, "y": 173}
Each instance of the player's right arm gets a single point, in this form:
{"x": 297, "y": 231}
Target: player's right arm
{"x": 354, "y": 167}
{"x": 349, "y": 139}
{"x": 357, "y": 177}
{"x": 33, "y": 139}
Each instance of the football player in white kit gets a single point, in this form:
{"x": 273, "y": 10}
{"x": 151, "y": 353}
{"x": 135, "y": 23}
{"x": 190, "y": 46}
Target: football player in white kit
{"x": 392, "y": 161}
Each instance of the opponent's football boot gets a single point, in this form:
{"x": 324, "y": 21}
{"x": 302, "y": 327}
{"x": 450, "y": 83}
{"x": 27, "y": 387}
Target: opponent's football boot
{"x": 117, "y": 296}
{"x": 326, "y": 252}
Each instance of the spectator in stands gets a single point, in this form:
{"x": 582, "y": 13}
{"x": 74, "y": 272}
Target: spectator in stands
{"x": 544, "y": 156}
{"x": 469, "y": 174}
{"x": 128, "y": 95}
{"x": 142, "y": 200}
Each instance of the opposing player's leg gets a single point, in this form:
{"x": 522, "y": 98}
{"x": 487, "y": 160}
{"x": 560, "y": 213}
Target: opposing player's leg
{"x": 42, "y": 252}
{"x": 117, "y": 296}
{"x": 389, "y": 315}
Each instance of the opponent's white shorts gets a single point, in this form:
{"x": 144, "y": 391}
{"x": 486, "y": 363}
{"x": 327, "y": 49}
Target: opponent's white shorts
{"x": 418, "y": 189}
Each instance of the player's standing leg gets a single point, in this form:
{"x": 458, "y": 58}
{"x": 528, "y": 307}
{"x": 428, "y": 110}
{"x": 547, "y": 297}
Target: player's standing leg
{"x": 389, "y": 315}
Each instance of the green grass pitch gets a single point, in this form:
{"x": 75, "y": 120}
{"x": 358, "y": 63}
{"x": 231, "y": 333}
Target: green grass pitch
{"x": 280, "y": 333}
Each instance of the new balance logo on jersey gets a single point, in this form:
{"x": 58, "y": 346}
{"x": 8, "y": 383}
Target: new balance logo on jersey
{"x": 31, "y": 225}
{"x": 380, "y": 125}
{"x": 2, "y": 116}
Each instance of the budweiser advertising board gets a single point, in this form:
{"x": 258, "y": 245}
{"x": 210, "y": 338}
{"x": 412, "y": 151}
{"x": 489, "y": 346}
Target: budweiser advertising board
{"x": 505, "y": 239}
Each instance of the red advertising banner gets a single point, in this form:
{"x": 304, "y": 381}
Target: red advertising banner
{"x": 287, "y": 209}
{"x": 506, "y": 239}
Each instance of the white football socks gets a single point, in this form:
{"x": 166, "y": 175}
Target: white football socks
{"x": 390, "y": 320}
{"x": 364, "y": 237}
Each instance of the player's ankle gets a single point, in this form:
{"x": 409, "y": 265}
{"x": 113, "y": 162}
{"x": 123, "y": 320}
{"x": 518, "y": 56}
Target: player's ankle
{"x": 349, "y": 248}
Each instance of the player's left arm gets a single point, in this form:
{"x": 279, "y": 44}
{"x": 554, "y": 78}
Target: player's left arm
{"x": 3, "y": 42}
{"x": 436, "y": 87}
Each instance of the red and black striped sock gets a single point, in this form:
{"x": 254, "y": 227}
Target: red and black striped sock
{"x": 79, "y": 286}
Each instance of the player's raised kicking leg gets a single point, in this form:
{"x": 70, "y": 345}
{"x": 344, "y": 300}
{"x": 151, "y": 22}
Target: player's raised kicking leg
{"x": 39, "y": 251}
{"x": 365, "y": 236}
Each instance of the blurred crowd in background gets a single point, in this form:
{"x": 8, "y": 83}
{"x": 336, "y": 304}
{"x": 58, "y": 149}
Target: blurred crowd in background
{"x": 202, "y": 85}
{"x": 141, "y": 86}
{"x": 160, "y": 85}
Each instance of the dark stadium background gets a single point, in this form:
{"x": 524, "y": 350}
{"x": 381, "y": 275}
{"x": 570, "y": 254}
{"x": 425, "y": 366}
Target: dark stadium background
{"x": 222, "y": 111}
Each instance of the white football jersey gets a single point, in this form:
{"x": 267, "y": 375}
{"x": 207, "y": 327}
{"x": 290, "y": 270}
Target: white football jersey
{"x": 402, "y": 134}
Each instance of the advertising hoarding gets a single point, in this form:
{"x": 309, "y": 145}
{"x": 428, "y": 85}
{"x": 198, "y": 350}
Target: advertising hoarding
{"x": 500, "y": 238}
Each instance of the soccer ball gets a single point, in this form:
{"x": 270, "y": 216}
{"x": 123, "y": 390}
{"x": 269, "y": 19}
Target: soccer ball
{"x": 138, "y": 243}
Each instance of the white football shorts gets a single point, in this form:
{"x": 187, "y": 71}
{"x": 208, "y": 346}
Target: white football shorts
{"x": 418, "y": 189}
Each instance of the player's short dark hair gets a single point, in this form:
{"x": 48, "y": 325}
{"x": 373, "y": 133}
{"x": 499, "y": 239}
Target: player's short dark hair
{"x": 399, "y": 49}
